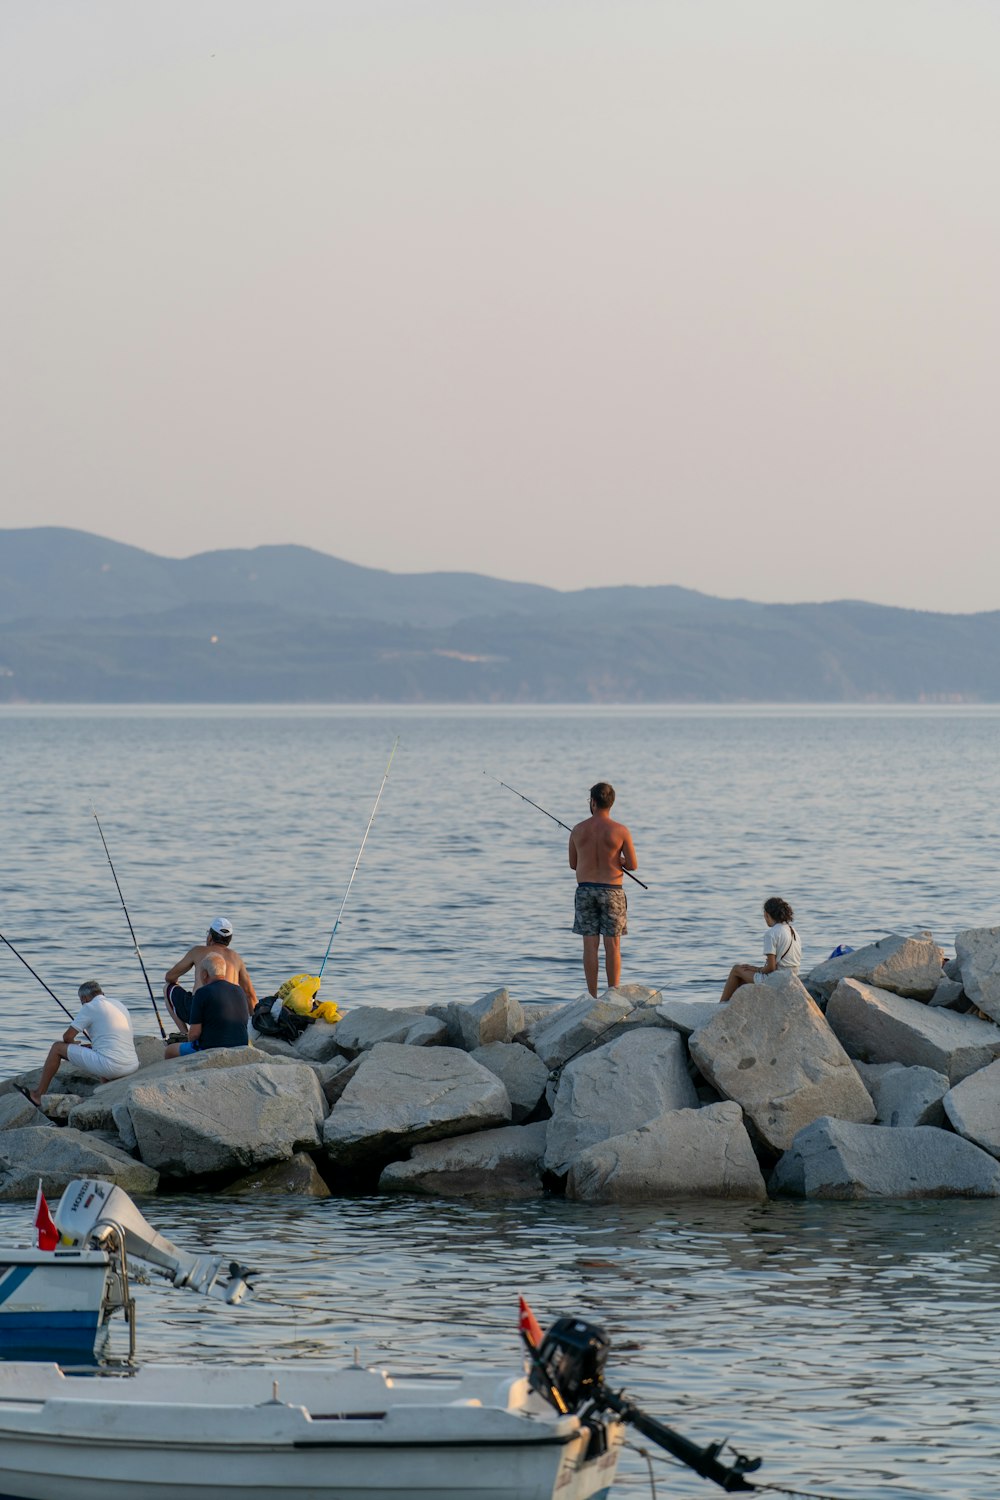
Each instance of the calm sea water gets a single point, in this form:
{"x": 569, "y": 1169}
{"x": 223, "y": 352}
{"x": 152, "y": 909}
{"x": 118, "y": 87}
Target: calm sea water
{"x": 849, "y": 1344}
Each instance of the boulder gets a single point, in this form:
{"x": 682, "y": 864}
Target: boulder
{"x": 297, "y": 1177}
{"x": 522, "y": 1074}
{"x": 496, "y": 1017}
{"x": 902, "y": 965}
{"x": 686, "y": 1016}
{"x": 771, "y": 1050}
{"x": 503, "y": 1163}
{"x": 318, "y": 1043}
{"x": 949, "y": 994}
{"x": 904, "y": 1096}
{"x": 59, "y": 1107}
{"x": 273, "y": 1046}
{"x": 97, "y": 1112}
{"x": 682, "y": 1153}
{"x": 953, "y": 970}
{"x": 838, "y": 1159}
{"x": 876, "y": 1026}
{"x": 57, "y": 1156}
{"x": 978, "y": 952}
{"x": 226, "y": 1120}
{"x": 538, "y": 1011}
{"x": 615, "y": 1089}
{"x": 17, "y": 1113}
{"x": 402, "y": 1096}
{"x": 336, "y": 1082}
{"x": 366, "y": 1025}
{"x": 577, "y": 1027}
{"x": 973, "y": 1108}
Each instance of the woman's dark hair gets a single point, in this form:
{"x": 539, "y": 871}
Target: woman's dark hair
{"x": 778, "y": 910}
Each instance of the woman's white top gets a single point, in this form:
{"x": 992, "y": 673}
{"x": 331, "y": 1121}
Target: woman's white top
{"x": 783, "y": 942}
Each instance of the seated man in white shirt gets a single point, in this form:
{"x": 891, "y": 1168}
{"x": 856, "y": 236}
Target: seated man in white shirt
{"x": 108, "y": 1046}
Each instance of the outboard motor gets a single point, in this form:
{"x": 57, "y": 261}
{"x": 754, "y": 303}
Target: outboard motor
{"x": 567, "y": 1369}
{"x": 92, "y": 1212}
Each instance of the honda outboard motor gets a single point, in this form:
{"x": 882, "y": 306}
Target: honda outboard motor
{"x": 90, "y": 1211}
{"x": 567, "y": 1369}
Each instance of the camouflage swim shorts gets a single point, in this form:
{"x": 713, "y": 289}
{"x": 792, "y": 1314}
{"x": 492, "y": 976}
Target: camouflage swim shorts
{"x": 601, "y": 910}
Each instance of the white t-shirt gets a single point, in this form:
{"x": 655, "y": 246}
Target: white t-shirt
{"x": 783, "y": 942}
{"x": 109, "y": 1027}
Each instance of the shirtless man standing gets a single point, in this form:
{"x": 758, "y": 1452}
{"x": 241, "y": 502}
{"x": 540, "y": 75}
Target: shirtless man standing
{"x": 220, "y": 935}
{"x": 599, "y": 850}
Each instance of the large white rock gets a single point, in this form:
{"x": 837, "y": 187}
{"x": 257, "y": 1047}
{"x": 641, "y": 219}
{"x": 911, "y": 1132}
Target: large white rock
{"x": 97, "y": 1112}
{"x": 771, "y": 1050}
{"x": 58, "y": 1156}
{"x": 17, "y": 1112}
{"x": 905, "y": 1096}
{"x": 503, "y": 1163}
{"x": 973, "y": 1107}
{"x": 837, "y": 1159}
{"x": 615, "y": 1089}
{"x": 876, "y": 1026}
{"x": 686, "y": 1016}
{"x": 402, "y": 1096}
{"x": 496, "y": 1017}
{"x": 682, "y": 1153}
{"x": 226, "y": 1120}
{"x": 902, "y": 965}
{"x": 522, "y": 1074}
{"x": 366, "y": 1025}
{"x": 978, "y": 953}
{"x": 583, "y": 1024}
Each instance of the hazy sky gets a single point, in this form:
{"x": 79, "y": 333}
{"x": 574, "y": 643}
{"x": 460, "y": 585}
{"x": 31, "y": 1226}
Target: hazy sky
{"x": 650, "y": 291}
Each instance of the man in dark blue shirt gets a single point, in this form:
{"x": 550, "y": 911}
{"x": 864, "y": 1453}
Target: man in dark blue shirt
{"x": 218, "y": 1017}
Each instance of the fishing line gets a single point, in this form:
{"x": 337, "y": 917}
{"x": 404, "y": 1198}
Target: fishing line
{"x": 568, "y": 829}
{"x": 357, "y": 862}
{"x": 128, "y": 919}
{"x": 757, "y": 1484}
{"x": 41, "y": 981}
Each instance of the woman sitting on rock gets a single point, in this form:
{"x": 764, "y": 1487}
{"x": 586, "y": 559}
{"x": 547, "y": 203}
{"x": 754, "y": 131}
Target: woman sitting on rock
{"x": 782, "y": 949}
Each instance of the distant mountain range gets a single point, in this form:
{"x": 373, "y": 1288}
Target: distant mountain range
{"x": 83, "y": 619}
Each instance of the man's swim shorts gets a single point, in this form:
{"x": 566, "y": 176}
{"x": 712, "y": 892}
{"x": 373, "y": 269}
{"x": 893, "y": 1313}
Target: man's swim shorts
{"x": 601, "y": 910}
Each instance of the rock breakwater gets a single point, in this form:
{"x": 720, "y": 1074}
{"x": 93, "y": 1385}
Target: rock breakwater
{"x": 876, "y": 1075}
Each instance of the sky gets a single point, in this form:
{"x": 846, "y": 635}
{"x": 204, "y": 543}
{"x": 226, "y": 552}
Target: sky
{"x": 700, "y": 292}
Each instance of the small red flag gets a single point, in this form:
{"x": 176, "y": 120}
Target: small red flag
{"x": 48, "y": 1234}
{"x": 528, "y": 1325}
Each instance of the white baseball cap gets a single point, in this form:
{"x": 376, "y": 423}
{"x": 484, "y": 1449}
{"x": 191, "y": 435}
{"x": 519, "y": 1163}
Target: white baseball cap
{"x": 222, "y": 926}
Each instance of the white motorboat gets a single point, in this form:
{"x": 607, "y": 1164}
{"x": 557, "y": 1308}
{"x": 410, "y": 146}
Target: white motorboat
{"x": 58, "y": 1304}
{"x": 198, "y": 1432}
{"x": 304, "y": 1431}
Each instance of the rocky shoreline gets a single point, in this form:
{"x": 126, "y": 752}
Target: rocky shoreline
{"x": 875, "y": 1076}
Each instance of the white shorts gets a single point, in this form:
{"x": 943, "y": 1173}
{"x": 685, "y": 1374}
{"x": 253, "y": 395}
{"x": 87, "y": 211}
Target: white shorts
{"x": 759, "y": 978}
{"x": 95, "y": 1064}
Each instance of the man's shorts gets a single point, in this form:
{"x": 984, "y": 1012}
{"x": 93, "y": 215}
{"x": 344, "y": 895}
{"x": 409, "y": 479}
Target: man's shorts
{"x": 601, "y": 910}
{"x": 180, "y": 999}
{"x": 94, "y": 1064}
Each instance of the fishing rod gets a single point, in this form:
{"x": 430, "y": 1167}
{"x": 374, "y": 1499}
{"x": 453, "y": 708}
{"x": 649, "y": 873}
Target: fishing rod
{"x": 357, "y": 862}
{"x": 128, "y": 919}
{"x": 555, "y": 820}
{"x": 41, "y": 981}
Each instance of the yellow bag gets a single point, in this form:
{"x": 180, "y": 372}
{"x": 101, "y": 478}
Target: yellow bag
{"x": 298, "y": 995}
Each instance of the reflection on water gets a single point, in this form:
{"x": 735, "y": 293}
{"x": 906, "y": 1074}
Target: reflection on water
{"x": 848, "y": 1344}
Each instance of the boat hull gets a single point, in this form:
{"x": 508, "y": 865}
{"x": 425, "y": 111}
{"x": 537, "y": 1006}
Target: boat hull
{"x": 362, "y": 1436}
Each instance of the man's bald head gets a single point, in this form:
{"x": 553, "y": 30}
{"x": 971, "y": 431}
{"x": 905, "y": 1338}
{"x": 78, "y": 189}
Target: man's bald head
{"x": 213, "y": 966}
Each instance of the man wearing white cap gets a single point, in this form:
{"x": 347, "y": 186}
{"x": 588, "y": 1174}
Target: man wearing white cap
{"x": 220, "y": 935}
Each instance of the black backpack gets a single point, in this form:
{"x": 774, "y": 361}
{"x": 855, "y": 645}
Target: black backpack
{"x": 286, "y": 1025}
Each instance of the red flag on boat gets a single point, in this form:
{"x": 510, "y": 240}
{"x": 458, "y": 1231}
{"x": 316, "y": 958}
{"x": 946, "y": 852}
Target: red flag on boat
{"x": 48, "y": 1234}
{"x": 528, "y": 1325}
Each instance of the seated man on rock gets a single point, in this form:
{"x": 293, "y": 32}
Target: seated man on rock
{"x": 217, "y": 944}
{"x": 218, "y": 1013}
{"x": 106, "y": 1049}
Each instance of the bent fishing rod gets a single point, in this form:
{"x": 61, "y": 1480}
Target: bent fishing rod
{"x": 357, "y": 862}
{"x": 128, "y": 919}
{"x": 555, "y": 820}
{"x": 41, "y": 981}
